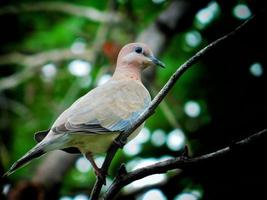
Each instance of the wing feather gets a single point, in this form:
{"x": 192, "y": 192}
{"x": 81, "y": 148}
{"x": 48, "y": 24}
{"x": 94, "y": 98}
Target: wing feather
{"x": 105, "y": 109}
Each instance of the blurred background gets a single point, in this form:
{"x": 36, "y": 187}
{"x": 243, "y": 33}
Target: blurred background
{"x": 53, "y": 52}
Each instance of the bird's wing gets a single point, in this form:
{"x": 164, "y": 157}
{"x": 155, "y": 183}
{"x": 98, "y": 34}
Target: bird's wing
{"x": 107, "y": 109}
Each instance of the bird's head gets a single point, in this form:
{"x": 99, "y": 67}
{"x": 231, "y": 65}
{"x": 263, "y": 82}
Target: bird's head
{"x": 137, "y": 55}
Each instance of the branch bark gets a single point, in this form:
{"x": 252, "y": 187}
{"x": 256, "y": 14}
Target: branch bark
{"x": 88, "y": 13}
{"x": 177, "y": 163}
{"x": 122, "y": 138}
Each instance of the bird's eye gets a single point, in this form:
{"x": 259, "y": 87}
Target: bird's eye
{"x": 138, "y": 50}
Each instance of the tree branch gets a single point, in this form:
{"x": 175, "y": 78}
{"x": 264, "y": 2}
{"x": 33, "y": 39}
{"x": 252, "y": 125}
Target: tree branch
{"x": 176, "y": 163}
{"x": 31, "y": 62}
{"x": 120, "y": 141}
{"x": 88, "y": 13}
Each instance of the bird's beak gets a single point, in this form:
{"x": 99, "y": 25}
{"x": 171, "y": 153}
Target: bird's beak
{"x": 156, "y": 61}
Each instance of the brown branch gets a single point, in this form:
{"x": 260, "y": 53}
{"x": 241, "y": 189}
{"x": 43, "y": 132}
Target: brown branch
{"x": 86, "y": 12}
{"x": 177, "y": 163}
{"x": 122, "y": 138}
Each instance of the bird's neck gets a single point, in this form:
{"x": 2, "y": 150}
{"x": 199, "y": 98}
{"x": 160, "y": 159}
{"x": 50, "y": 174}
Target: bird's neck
{"x": 127, "y": 72}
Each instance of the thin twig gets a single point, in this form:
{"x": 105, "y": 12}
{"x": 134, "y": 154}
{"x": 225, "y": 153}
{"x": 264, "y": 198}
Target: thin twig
{"x": 86, "y": 12}
{"x": 176, "y": 163}
{"x": 122, "y": 138}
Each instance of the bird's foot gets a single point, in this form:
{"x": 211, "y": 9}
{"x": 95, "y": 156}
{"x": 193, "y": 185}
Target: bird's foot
{"x": 98, "y": 171}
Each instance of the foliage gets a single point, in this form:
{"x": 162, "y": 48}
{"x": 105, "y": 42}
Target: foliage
{"x": 219, "y": 100}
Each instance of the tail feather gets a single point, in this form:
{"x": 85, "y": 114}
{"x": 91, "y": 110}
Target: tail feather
{"x": 32, "y": 154}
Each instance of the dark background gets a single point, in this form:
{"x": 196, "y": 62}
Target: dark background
{"x": 232, "y": 100}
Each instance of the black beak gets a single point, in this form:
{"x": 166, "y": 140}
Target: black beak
{"x": 157, "y": 62}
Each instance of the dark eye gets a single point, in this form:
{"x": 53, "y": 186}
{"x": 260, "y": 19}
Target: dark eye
{"x": 138, "y": 50}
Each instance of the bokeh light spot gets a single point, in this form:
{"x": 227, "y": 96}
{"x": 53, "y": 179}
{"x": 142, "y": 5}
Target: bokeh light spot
{"x": 130, "y": 165}
{"x": 193, "y": 195}
{"x": 79, "y": 68}
{"x": 143, "y": 136}
{"x": 176, "y": 140}
{"x": 256, "y": 69}
{"x": 65, "y": 198}
{"x": 154, "y": 194}
{"x": 193, "y": 38}
{"x": 85, "y": 81}
{"x": 150, "y": 180}
{"x": 49, "y": 71}
{"x": 132, "y": 148}
{"x": 99, "y": 160}
{"x": 158, "y": 137}
{"x": 81, "y": 197}
{"x": 192, "y": 109}
{"x": 83, "y": 165}
{"x": 158, "y": 1}
{"x": 206, "y": 15}
{"x": 241, "y": 11}
{"x": 103, "y": 79}
{"x": 78, "y": 47}
{"x": 108, "y": 184}
{"x": 6, "y": 189}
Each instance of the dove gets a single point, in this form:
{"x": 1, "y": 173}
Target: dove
{"x": 92, "y": 122}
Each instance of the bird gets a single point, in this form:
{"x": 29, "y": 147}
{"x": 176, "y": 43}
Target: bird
{"x": 93, "y": 121}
